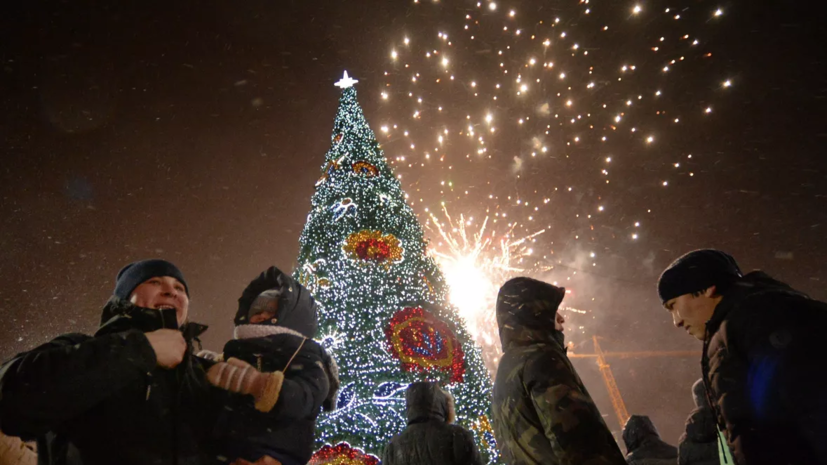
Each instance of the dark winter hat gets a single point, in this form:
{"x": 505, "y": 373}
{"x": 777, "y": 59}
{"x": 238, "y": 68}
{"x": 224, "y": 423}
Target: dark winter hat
{"x": 267, "y": 301}
{"x": 696, "y": 271}
{"x": 132, "y": 275}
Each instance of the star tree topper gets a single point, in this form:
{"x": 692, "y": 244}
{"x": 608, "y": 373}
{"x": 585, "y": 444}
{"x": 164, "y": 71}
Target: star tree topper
{"x": 346, "y": 82}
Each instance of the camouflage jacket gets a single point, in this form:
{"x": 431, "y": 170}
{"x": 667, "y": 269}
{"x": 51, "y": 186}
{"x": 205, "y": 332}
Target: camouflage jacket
{"x": 542, "y": 412}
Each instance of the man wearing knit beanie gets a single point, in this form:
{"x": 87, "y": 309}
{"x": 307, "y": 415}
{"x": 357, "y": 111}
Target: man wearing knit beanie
{"x": 691, "y": 287}
{"x": 763, "y": 357}
{"x": 131, "y": 394}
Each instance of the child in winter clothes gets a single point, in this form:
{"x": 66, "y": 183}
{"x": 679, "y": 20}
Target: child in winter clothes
{"x": 274, "y": 326}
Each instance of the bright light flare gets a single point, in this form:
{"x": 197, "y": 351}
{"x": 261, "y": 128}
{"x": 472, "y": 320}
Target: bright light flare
{"x": 474, "y": 266}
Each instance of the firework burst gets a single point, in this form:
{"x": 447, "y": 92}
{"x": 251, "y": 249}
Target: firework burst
{"x": 475, "y": 264}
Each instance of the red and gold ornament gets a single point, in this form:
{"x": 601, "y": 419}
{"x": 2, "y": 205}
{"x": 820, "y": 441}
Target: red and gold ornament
{"x": 342, "y": 454}
{"x": 423, "y": 342}
{"x": 372, "y": 246}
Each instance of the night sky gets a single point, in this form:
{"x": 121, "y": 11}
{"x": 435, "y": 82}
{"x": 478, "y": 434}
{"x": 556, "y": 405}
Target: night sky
{"x": 194, "y": 131}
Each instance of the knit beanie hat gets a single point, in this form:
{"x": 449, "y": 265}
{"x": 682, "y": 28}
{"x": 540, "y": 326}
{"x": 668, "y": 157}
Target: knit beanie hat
{"x": 696, "y": 271}
{"x": 267, "y": 301}
{"x": 132, "y": 275}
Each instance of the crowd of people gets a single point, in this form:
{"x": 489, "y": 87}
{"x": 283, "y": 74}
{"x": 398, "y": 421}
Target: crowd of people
{"x": 140, "y": 391}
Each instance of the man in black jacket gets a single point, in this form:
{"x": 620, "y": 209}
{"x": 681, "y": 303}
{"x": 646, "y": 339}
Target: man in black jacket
{"x": 430, "y": 437}
{"x": 132, "y": 394}
{"x": 763, "y": 359}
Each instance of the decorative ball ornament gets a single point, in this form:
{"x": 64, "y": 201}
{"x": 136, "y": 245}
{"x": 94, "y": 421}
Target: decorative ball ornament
{"x": 342, "y": 454}
{"x": 365, "y": 169}
{"x": 423, "y": 342}
{"x": 373, "y": 247}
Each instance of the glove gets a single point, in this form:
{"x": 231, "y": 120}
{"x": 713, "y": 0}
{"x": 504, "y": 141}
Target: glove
{"x": 271, "y": 278}
{"x": 240, "y": 377}
{"x": 210, "y": 355}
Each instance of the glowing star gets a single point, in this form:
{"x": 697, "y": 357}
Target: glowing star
{"x": 637, "y": 9}
{"x": 346, "y": 82}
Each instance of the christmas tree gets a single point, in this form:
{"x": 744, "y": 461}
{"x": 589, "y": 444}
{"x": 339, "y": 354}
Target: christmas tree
{"x": 384, "y": 312}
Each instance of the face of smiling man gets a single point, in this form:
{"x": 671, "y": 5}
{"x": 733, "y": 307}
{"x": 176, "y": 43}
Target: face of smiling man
{"x": 163, "y": 292}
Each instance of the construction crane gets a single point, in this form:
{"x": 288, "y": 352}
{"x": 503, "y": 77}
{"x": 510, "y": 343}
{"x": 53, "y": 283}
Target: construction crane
{"x": 605, "y": 370}
{"x": 611, "y": 385}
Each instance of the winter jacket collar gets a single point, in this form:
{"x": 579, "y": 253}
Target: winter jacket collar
{"x": 119, "y": 315}
{"x": 255, "y": 331}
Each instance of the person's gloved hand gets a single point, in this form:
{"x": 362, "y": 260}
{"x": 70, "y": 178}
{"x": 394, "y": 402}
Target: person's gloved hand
{"x": 211, "y": 356}
{"x": 238, "y": 376}
{"x": 269, "y": 279}
{"x": 169, "y": 347}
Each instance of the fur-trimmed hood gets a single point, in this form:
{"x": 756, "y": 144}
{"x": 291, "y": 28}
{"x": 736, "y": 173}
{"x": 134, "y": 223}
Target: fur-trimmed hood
{"x": 427, "y": 401}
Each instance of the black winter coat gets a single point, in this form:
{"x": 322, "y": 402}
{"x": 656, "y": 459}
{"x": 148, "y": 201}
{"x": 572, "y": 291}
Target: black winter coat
{"x": 429, "y": 439}
{"x": 698, "y": 445}
{"x": 644, "y": 445}
{"x": 286, "y": 433}
{"x": 102, "y": 400}
{"x": 763, "y": 367}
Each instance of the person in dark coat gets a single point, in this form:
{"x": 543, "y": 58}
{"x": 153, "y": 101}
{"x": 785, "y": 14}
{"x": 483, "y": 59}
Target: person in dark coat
{"x": 698, "y": 445}
{"x": 275, "y": 323}
{"x": 543, "y": 414}
{"x": 431, "y": 437}
{"x": 131, "y": 394}
{"x": 763, "y": 356}
{"x": 644, "y": 445}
